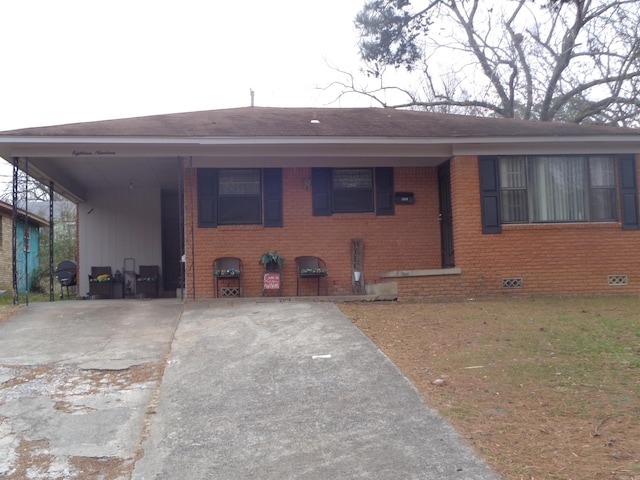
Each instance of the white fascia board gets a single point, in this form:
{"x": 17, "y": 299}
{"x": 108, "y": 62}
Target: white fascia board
{"x": 558, "y": 146}
{"x": 63, "y": 140}
{"x": 59, "y": 145}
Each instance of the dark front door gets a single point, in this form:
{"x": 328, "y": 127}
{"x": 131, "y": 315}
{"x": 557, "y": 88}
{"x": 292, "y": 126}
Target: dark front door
{"x": 446, "y": 218}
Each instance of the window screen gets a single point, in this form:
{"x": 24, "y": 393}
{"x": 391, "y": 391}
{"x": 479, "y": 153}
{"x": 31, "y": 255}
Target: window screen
{"x": 352, "y": 190}
{"x": 239, "y": 197}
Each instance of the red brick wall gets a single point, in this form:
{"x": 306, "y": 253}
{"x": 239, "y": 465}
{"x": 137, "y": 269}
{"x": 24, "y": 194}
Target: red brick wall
{"x": 409, "y": 239}
{"x": 550, "y": 258}
{"x": 6, "y": 253}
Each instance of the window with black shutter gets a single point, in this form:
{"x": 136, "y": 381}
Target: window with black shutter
{"x": 352, "y": 190}
{"x": 239, "y": 196}
{"x": 558, "y": 188}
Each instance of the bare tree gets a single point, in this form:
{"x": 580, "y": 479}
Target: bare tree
{"x": 29, "y": 190}
{"x": 563, "y": 60}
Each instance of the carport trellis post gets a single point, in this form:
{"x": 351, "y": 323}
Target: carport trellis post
{"x": 51, "y": 238}
{"x": 25, "y": 237}
{"x": 14, "y": 223}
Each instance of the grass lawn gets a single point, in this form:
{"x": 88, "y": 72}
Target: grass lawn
{"x": 7, "y": 298}
{"x": 542, "y": 388}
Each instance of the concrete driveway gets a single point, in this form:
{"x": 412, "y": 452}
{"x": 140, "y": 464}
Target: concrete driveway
{"x": 121, "y": 389}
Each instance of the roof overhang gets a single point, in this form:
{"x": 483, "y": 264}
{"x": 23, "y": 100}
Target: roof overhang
{"x": 78, "y": 163}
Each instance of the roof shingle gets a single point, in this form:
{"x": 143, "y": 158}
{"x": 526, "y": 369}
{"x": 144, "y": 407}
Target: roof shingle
{"x": 317, "y": 122}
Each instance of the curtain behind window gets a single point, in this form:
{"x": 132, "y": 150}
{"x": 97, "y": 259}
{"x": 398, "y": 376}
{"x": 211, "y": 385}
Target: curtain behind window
{"x": 558, "y": 185}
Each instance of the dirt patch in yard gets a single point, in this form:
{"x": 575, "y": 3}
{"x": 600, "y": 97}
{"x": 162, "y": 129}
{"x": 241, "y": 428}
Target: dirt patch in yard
{"x": 539, "y": 387}
{"x": 7, "y": 311}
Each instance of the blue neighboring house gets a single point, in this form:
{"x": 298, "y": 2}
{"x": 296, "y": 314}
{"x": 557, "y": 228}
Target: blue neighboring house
{"x": 27, "y": 235}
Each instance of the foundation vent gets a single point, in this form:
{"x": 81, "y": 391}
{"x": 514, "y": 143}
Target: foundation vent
{"x": 515, "y": 282}
{"x": 230, "y": 292}
{"x": 618, "y": 280}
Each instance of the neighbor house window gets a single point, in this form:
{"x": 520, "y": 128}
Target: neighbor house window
{"x": 27, "y": 239}
{"x": 239, "y": 196}
{"x": 352, "y": 190}
{"x": 557, "y": 189}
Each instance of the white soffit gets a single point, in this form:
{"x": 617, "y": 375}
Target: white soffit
{"x": 105, "y": 147}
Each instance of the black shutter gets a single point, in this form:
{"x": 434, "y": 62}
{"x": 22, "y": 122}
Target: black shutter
{"x": 207, "y": 197}
{"x": 629, "y": 192}
{"x": 489, "y": 194}
{"x": 272, "y": 197}
{"x": 321, "y": 194}
{"x": 384, "y": 191}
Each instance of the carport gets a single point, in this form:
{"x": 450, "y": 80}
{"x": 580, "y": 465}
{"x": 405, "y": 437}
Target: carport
{"x": 128, "y": 200}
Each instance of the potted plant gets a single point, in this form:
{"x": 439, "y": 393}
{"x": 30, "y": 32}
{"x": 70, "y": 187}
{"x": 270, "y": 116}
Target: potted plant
{"x": 272, "y": 261}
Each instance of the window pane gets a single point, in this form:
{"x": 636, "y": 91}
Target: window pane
{"x": 558, "y": 188}
{"x": 602, "y": 176}
{"x": 352, "y": 179}
{"x": 514, "y": 205}
{"x": 239, "y": 196}
{"x": 239, "y": 182}
{"x": 239, "y": 210}
{"x": 513, "y": 184}
{"x": 353, "y": 201}
{"x": 603, "y": 204}
{"x": 602, "y": 171}
{"x": 512, "y": 172}
{"x": 352, "y": 190}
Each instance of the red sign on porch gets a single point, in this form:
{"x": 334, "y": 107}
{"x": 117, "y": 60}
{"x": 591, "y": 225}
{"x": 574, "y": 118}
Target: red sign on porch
{"x": 272, "y": 281}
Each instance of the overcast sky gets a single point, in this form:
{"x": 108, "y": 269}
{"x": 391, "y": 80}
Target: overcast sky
{"x": 78, "y": 60}
{"x": 68, "y": 61}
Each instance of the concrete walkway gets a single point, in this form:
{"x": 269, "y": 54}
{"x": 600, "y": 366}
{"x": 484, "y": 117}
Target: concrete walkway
{"x": 278, "y": 390}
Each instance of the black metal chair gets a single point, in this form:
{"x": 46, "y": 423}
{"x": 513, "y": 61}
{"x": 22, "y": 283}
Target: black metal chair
{"x": 228, "y": 269}
{"x": 310, "y": 267}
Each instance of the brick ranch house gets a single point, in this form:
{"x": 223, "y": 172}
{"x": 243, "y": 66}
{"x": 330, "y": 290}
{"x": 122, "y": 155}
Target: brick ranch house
{"x": 436, "y": 205}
